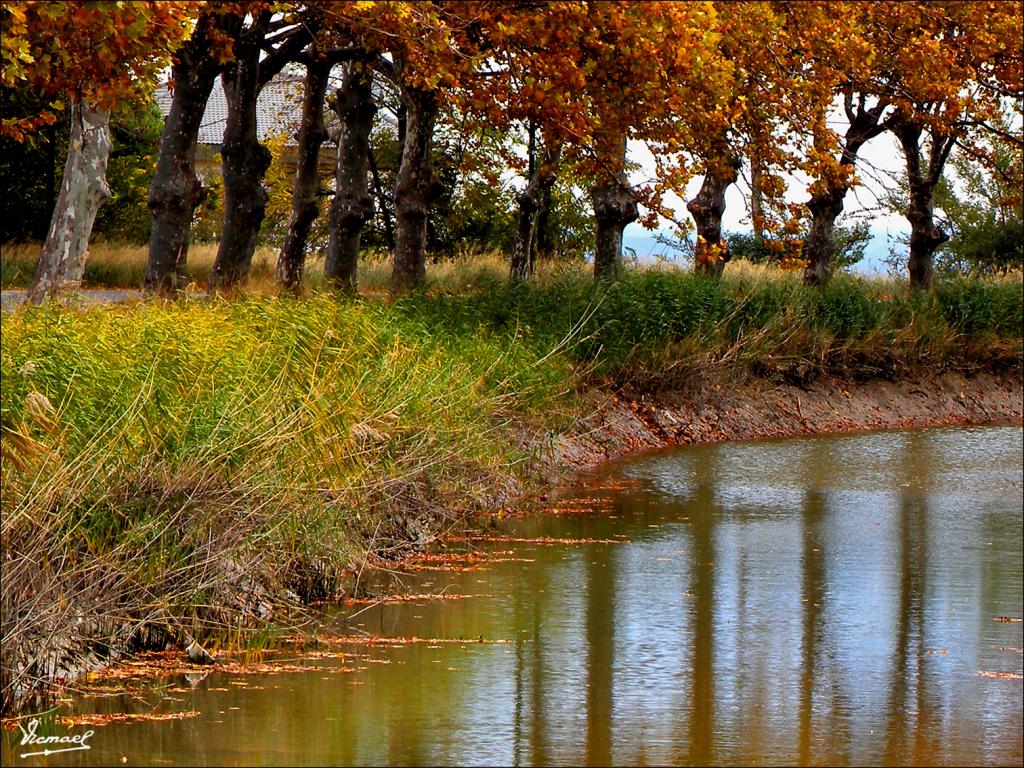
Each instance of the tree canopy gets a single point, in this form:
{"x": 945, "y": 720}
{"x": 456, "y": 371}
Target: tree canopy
{"x": 552, "y": 93}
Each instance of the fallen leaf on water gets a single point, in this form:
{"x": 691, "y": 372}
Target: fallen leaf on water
{"x": 407, "y": 598}
{"x": 410, "y": 640}
{"x": 534, "y": 540}
{"x": 1002, "y": 675}
{"x": 446, "y": 558}
{"x": 444, "y": 568}
{"x": 106, "y": 719}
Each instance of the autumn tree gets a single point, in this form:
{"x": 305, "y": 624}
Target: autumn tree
{"x": 974, "y": 56}
{"x": 591, "y": 77}
{"x": 176, "y": 190}
{"x": 656, "y": 78}
{"x": 94, "y": 55}
{"x": 264, "y": 38}
{"x": 439, "y": 44}
{"x": 933, "y": 74}
{"x": 763, "y": 99}
{"x": 519, "y": 84}
{"x": 312, "y": 134}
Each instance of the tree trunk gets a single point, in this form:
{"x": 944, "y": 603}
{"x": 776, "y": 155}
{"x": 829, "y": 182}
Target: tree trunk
{"x": 176, "y": 190}
{"x": 413, "y": 188}
{"x": 244, "y": 162}
{"x": 826, "y": 203}
{"x": 312, "y": 134}
{"x": 352, "y": 206}
{"x": 542, "y": 240}
{"x": 520, "y": 267}
{"x": 382, "y": 202}
{"x": 925, "y": 235}
{"x": 531, "y": 200}
{"x": 707, "y": 209}
{"x": 614, "y": 208}
{"x": 82, "y": 192}
{"x": 825, "y": 207}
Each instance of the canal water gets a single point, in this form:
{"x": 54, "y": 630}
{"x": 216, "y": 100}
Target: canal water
{"x": 850, "y": 600}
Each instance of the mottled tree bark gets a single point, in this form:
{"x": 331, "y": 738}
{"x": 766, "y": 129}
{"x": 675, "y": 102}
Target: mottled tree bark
{"x": 83, "y": 190}
{"x": 244, "y": 161}
{"x": 176, "y": 190}
{"x": 312, "y": 134}
{"x": 352, "y": 206}
{"x": 614, "y": 208}
{"x": 531, "y": 200}
{"x": 826, "y": 201}
{"x": 413, "y": 188}
{"x": 825, "y": 207}
{"x": 707, "y": 209}
{"x": 922, "y": 179}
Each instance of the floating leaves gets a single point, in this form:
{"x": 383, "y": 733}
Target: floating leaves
{"x": 456, "y": 562}
{"x": 533, "y": 540}
{"x": 389, "y": 641}
{"x": 389, "y": 599}
{"x": 101, "y": 719}
{"x": 1001, "y": 675}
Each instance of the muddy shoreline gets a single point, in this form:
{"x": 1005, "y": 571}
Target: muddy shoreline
{"x": 619, "y": 424}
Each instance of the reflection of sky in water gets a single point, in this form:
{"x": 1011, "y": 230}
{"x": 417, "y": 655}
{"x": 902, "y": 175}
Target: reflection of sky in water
{"x": 651, "y": 652}
{"x": 776, "y": 602}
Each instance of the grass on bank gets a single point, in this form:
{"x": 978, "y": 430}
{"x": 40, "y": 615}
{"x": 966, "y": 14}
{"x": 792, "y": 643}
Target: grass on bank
{"x": 164, "y": 461}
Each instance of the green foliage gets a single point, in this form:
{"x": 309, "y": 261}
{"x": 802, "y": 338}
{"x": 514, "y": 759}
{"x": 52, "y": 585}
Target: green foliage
{"x": 30, "y": 171}
{"x": 983, "y": 211}
{"x": 34, "y": 170}
{"x": 745, "y": 245}
{"x": 570, "y": 222}
{"x": 135, "y": 130}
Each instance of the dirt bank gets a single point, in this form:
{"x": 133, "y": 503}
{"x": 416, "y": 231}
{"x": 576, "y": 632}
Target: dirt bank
{"x": 619, "y": 424}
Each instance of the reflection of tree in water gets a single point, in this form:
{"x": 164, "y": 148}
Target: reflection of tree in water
{"x": 529, "y": 607}
{"x": 814, "y": 588}
{"x": 702, "y": 679}
{"x": 600, "y": 652}
{"x": 813, "y": 578}
{"x": 907, "y": 688}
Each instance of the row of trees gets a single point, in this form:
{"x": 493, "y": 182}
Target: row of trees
{"x": 711, "y": 88}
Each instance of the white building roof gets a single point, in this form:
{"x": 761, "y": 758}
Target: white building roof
{"x": 278, "y": 110}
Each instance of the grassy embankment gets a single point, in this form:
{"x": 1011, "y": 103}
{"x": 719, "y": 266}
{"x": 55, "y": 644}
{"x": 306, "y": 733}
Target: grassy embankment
{"x": 165, "y": 462}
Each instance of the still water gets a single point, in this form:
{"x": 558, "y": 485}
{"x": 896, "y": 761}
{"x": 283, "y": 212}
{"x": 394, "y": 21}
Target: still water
{"x": 816, "y": 601}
